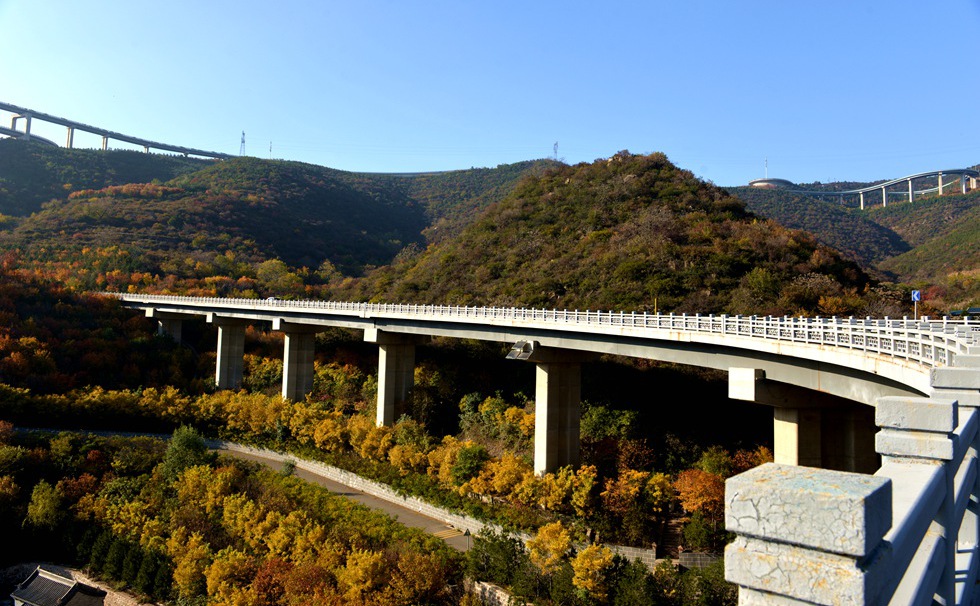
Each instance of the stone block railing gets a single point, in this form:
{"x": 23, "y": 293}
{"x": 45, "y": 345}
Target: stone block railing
{"x": 906, "y": 535}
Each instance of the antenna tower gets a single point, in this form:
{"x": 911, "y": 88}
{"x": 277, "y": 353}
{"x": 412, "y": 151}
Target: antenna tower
{"x": 556, "y": 151}
{"x": 241, "y": 150}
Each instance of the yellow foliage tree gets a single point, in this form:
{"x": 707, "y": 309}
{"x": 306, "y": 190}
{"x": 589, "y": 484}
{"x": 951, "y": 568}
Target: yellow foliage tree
{"x": 501, "y": 476}
{"x": 584, "y": 490}
{"x": 589, "y": 568}
{"x": 363, "y": 574}
{"x": 549, "y": 546}
{"x": 556, "y": 489}
{"x": 205, "y": 487}
{"x": 358, "y": 427}
{"x": 442, "y": 458}
{"x": 227, "y": 578}
{"x": 407, "y": 457}
{"x": 376, "y": 444}
{"x": 304, "y": 420}
{"x": 659, "y": 493}
{"x": 330, "y": 433}
{"x": 191, "y": 556}
{"x": 417, "y": 579}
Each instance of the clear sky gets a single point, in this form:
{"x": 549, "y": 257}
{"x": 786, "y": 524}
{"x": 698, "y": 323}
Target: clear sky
{"x": 827, "y": 90}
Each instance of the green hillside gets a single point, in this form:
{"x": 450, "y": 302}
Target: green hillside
{"x": 933, "y": 243}
{"x": 945, "y": 232}
{"x": 454, "y": 199}
{"x": 850, "y": 231}
{"x": 246, "y": 210}
{"x": 32, "y": 173}
{"x": 245, "y": 225}
{"x": 630, "y": 232}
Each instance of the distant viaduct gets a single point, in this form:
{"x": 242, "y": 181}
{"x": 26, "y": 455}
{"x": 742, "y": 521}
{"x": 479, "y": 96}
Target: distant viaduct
{"x": 28, "y": 116}
{"x": 967, "y": 178}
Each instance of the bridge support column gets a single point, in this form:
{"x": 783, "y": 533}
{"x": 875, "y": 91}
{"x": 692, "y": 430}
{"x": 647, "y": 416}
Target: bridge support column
{"x": 862, "y": 200}
{"x": 70, "y": 141}
{"x": 848, "y": 438}
{"x": 396, "y": 372}
{"x": 963, "y": 184}
{"x": 796, "y": 436}
{"x": 231, "y": 351}
{"x": 940, "y": 183}
{"x": 557, "y": 414}
{"x": 884, "y": 197}
{"x": 557, "y": 403}
{"x": 27, "y": 124}
{"x": 911, "y": 192}
{"x": 297, "y": 359}
{"x": 167, "y": 323}
{"x": 105, "y": 143}
{"x": 809, "y": 427}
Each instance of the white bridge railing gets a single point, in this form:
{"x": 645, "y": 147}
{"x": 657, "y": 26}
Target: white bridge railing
{"x": 928, "y": 342}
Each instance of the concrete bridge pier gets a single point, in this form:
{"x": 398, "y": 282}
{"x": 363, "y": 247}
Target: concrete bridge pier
{"x": 231, "y": 351}
{"x": 297, "y": 359}
{"x": 27, "y": 124}
{"x": 811, "y": 428}
{"x": 940, "y": 176}
{"x": 70, "y": 141}
{"x": 911, "y": 192}
{"x": 167, "y": 323}
{"x": 557, "y": 403}
{"x": 396, "y": 372}
{"x": 862, "y": 200}
{"x": 557, "y": 413}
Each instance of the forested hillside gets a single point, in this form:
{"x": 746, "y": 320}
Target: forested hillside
{"x": 853, "y": 233}
{"x": 454, "y": 199}
{"x": 933, "y": 243}
{"x": 630, "y": 232}
{"x": 246, "y": 226}
{"x": 33, "y": 173}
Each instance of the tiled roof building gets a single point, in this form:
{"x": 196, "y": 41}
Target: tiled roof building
{"x": 48, "y": 588}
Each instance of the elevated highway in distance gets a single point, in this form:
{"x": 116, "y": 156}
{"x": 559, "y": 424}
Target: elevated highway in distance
{"x": 967, "y": 178}
{"x": 28, "y": 116}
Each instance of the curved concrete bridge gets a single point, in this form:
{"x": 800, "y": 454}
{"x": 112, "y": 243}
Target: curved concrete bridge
{"x": 967, "y": 178}
{"x": 893, "y": 399}
{"x": 28, "y": 116}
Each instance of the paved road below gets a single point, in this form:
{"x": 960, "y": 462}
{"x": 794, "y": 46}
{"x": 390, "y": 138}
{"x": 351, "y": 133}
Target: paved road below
{"x": 453, "y": 537}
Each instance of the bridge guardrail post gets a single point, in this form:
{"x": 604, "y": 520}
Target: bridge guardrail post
{"x": 806, "y": 534}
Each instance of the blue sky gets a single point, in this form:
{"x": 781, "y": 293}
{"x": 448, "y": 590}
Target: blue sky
{"x": 826, "y": 90}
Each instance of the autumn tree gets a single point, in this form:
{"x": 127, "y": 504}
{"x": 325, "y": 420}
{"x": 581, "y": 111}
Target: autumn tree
{"x": 549, "y": 546}
{"x": 44, "y": 510}
{"x": 591, "y": 566}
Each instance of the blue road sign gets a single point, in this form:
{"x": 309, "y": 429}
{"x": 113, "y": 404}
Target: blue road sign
{"x": 916, "y": 295}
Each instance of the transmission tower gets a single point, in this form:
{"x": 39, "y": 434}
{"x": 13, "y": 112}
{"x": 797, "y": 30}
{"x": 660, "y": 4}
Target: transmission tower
{"x": 241, "y": 150}
{"x": 556, "y": 151}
